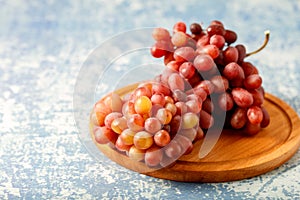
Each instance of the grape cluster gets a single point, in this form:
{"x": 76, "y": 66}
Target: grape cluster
{"x": 207, "y": 60}
{"x": 204, "y": 74}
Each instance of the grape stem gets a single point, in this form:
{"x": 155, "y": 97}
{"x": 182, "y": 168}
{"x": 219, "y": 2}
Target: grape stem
{"x": 267, "y": 37}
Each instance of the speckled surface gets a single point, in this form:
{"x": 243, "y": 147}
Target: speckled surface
{"x": 43, "y": 47}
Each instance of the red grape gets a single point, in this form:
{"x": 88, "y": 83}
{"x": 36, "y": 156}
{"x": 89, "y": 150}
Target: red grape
{"x": 255, "y": 115}
{"x": 239, "y": 118}
{"x": 242, "y": 97}
{"x": 203, "y": 63}
{"x": 230, "y": 36}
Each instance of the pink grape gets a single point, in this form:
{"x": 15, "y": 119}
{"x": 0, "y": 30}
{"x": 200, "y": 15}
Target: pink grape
{"x": 203, "y": 63}
{"x": 184, "y": 54}
{"x": 153, "y": 156}
{"x": 176, "y": 82}
{"x": 173, "y": 150}
{"x": 158, "y": 99}
{"x": 160, "y": 34}
{"x": 111, "y": 117}
{"x": 179, "y": 39}
{"x": 152, "y": 125}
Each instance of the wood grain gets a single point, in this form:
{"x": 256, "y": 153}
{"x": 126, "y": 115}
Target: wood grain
{"x": 235, "y": 156}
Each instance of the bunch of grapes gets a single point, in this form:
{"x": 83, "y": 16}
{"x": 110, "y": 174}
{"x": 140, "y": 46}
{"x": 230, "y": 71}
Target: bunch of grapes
{"x": 204, "y": 76}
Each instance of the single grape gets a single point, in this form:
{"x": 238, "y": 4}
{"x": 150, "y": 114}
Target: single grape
{"x": 176, "y": 82}
{"x": 215, "y": 29}
{"x": 179, "y": 26}
{"x": 249, "y": 69}
{"x": 152, "y": 125}
{"x": 187, "y": 70}
{"x": 189, "y": 120}
{"x": 142, "y": 91}
{"x": 143, "y": 105}
{"x": 195, "y": 28}
{"x": 173, "y": 65}
{"x": 255, "y": 115}
{"x": 162, "y": 138}
{"x": 210, "y": 49}
{"x": 127, "y": 136}
{"x": 242, "y": 52}
{"x": 258, "y": 97}
{"x": 143, "y": 140}
{"x": 252, "y": 81}
{"x": 203, "y": 63}
{"x": 217, "y": 40}
{"x": 183, "y": 54}
{"x": 225, "y": 101}
{"x": 242, "y": 97}
{"x": 119, "y": 124}
{"x": 173, "y": 150}
{"x": 206, "y": 121}
{"x": 135, "y": 122}
{"x": 266, "y": 118}
{"x": 179, "y": 39}
{"x": 230, "y": 36}
{"x": 160, "y": 34}
{"x": 158, "y": 99}
{"x": 230, "y": 54}
{"x": 153, "y": 156}
{"x": 239, "y": 118}
{"x": 233, "y": 71}
{"x": 164, "y": 116}
{"x": 136, "y": 154}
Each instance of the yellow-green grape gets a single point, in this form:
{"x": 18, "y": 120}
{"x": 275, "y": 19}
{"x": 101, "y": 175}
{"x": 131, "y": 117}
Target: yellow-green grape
{"x": 143, "y": 105}
{"x": 136, "y": 154}
{"x": 119, "y": 124}
{"x": 143, "y": 140}
{"x": 189, "y": 120}
{"x": 127, "y": 136}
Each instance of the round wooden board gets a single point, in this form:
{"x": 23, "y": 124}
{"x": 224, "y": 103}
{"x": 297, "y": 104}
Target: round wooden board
{"x": 235, "y": 156}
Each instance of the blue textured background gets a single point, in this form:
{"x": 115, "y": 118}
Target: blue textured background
{"x": 43, "y": 45}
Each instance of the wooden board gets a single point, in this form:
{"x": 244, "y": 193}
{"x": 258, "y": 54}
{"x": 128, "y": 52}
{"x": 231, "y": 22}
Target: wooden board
{"x": 234, "y": 157}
